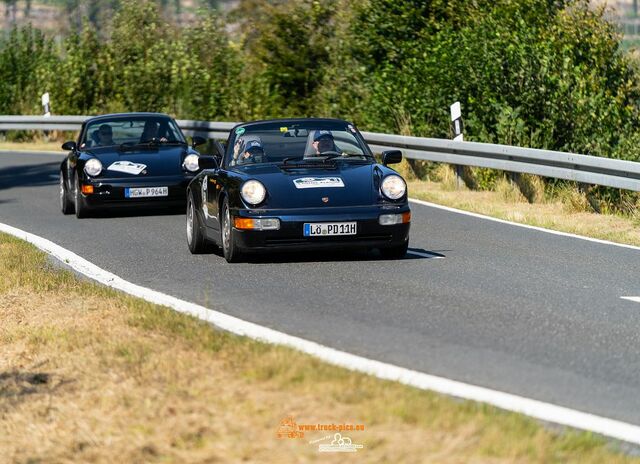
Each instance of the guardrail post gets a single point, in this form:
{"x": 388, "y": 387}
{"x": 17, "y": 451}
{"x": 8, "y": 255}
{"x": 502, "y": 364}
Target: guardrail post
{"x": 586, "y": 189}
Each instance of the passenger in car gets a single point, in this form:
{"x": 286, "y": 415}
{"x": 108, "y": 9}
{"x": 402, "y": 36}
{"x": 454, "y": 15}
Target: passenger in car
{"x": 105, "y": 136}
{"x": 151, "y": 132}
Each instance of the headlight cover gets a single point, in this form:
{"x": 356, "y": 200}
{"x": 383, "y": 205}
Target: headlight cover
{"x": 393, "y": 187}
{"x": 253, "y": 192}
{"x": 93, "y": 167}
{"x": 190, "y": 163}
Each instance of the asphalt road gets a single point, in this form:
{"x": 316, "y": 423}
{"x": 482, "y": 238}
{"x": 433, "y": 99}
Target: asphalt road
{"x": 509, "y": 308}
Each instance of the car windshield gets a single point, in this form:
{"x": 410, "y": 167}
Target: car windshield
{"x": 284, "y": 142}
{"x": 131, "y": 131}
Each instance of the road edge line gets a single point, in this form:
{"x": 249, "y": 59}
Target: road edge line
{"x": 526, "y": 226}
{"x": 533, "y": 408}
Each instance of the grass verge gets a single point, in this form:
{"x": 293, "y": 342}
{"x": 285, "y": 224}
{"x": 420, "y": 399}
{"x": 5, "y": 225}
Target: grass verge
{"x": 40, "y": 145}
{"x": 508, "y": 204}
{"x": 567, "y": 210}
{"x": 89, "y": 374}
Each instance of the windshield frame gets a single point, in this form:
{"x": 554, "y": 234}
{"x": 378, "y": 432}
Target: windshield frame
{"x": 95, "y": 123}
{"x": 306, "y": 124}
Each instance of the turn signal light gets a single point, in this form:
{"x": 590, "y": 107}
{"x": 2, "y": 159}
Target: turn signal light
{"x": 243, "y": 223}
{"x": 256, "y": 224}
{"x": 86, "y": 189}
{"x": 392, "y": 219}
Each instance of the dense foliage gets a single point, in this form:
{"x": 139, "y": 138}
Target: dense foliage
{"x": 542, "y": 73}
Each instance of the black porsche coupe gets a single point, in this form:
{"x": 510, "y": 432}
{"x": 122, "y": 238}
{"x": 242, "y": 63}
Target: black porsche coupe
{"x": 297, "y": 184}
{"x": 124, "y": 160}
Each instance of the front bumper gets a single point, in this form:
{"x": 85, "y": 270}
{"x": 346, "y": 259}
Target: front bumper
{"x": 370, "y": 234}
{"x": 111, "y": 192}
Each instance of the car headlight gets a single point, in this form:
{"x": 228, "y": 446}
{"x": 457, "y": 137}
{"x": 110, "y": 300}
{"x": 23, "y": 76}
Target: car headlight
{"x": 190, "y": 163}
{"x": 393, "y": 187}
{"x": 93, "y": 167}
{"x": 253, "y": 192}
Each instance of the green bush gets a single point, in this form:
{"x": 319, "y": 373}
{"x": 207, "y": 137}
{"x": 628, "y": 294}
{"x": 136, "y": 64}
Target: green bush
{"x": 539, "y": 73}
{"x": 28, "y": 63}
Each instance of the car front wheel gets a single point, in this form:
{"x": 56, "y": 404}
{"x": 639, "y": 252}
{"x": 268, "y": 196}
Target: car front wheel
{"x": 196, "y": 239}
{"x": 82, "y": 210}
{"x": 231, "y": 252}
{"x": 66, "y": 205}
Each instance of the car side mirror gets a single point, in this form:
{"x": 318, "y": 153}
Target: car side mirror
{"x": 71, "y": 145}
{"x": 391, "y": 157}
{"x": 197, "y": 140}
{"x": 207, "y": 162}
{"x": 218, "y": 149}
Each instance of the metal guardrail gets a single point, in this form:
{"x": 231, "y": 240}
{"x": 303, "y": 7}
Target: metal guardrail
{"x": 570, "y": 166}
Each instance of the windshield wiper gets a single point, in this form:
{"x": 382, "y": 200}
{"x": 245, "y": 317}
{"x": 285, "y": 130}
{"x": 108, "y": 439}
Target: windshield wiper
{"x": 128, "y": 146}
{"x": 309, "y": 163}
{"x": 315, "y": 160}
{"x": 172, "y": 142}
{"x": 334, "y": 155}
{"x": 291, "y": 158}
{"x": 153, "y": 143}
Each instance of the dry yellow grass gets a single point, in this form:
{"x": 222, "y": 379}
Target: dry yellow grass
{"x": 508, "y": 203}
{"x": 41, "y": 145}
{"x": 569, "y": 211}
{"x": 90, "y": 375}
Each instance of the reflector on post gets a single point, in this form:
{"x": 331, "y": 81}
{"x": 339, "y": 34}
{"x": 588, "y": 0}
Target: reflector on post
{"x": 456, "y": 122}
{"x": 45, "y": 104}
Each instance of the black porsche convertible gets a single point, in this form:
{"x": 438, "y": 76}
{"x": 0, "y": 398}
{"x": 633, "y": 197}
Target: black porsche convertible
{"x": 124, "y": 160}
{"x": 297, "y": 184}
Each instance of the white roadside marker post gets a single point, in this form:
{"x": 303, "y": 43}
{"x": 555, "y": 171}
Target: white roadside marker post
{"x": 457, "y": 127}
{"x": 45, "y": 104}
{"x": 47, "y": 111}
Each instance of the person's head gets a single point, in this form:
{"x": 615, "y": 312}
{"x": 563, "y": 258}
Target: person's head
{"x": 105, "y": 134}
{"x": 150, "y": 130}
{"x": 323, "y": 141}
{"x": 253, "y": 148}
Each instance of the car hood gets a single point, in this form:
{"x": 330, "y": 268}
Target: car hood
{"x": 349, "y": 184}
{"x": 158, "y": 161}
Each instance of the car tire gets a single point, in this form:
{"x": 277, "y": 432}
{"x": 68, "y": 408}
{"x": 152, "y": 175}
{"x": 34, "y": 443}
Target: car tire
{"x": 66, "y": 205}
{"x": 196, "y": 239}
{"x": 395, "y": 252}
{"x": 229, "y": 249}
{"x": 82, "y": 210}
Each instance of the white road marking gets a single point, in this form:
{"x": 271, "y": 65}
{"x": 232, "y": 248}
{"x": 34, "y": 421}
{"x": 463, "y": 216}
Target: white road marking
{"x": 424, "y": 254}
{"x": 534, "y": 408}
{"x": 526, "y": 226}
{"x": 631, "y": 298}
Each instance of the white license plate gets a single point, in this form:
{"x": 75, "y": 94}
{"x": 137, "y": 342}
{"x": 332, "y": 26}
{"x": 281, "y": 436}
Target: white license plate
{"x": 146, "y": 192}
{"x": 325, "y": 229}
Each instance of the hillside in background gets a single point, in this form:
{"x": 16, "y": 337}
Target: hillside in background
{"x": 59, "y": 17}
